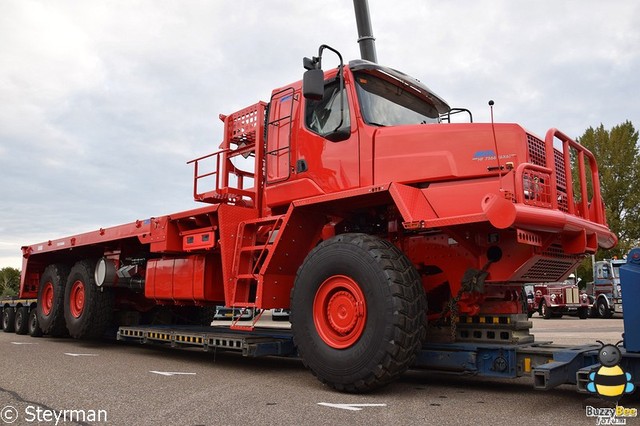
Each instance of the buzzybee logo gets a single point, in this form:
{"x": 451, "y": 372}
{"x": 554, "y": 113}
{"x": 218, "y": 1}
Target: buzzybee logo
{"x": 610, "y": 381}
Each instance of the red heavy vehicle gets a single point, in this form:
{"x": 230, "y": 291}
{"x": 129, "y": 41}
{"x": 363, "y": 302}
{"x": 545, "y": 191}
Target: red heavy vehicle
{"x": 350, "y": 199}
{"x": 553, "y": 300}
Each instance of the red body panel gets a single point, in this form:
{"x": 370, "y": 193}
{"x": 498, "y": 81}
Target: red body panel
{"x": 447, "y": 195}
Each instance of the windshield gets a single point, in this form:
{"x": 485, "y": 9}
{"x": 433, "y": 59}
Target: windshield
{"x": 385, "y": 104}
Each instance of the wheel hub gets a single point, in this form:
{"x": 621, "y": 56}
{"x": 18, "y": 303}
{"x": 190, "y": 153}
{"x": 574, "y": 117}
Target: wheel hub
{"x": 76, "y": 300}
{"x": 339, "y": 311}
{"x": 343, "y": 311}
{"x": 47, "y": 298}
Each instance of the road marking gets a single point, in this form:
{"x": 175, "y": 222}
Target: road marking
{"x": 350, "y": 407}
{"x": 24, "y": 343}
{"x": 70, "y": 354}
{"x": 172, "y": 373}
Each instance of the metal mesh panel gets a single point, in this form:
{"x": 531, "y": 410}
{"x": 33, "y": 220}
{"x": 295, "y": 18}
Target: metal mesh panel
{"x": 537, "y": 152}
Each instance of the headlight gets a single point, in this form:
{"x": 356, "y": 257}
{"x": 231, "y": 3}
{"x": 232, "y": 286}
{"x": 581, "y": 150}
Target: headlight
{"x": 585, "y": 298}
{"x": 531, "y": 186}
{"x": 553, "y": 298}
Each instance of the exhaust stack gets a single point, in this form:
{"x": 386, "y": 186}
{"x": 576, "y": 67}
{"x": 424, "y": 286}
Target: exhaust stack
{"x": 365, "y": 34}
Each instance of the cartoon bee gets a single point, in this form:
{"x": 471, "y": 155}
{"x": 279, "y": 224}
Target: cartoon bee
{"x": 610, "y": 381}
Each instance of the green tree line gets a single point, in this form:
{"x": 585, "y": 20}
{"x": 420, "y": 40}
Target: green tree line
{"x": 9, "y": 281}
{"x": 617, "y": 153}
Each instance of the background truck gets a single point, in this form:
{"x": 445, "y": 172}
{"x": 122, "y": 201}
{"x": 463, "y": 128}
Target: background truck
{"x": 553, "y": 300}
{"x": 352, "y": 200}
{"x": 605, "y": 289}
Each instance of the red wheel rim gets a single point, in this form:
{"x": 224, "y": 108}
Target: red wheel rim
{"x": 76, "y": 299}
{"x": 47, "y": 298}
{"x": 339, "y": 311}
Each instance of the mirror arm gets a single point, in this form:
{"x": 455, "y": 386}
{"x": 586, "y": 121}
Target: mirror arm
{"x": 340, "y": 76}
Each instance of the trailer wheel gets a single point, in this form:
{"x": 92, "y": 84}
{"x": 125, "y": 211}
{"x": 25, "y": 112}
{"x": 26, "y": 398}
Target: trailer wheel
{"x": 87, "y": 308}
{"x": 21, "y": 320}
{"x": 8, "y": 320}
{"x": 358, "y": 312}
{"x": 603, "y": 309}
{"x": 545, "y": 311}
{"x": 50, "y": 307}
{"x": 34, "y": 326}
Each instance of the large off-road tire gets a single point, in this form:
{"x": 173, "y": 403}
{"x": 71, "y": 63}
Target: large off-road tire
{"x": 51, "y": 300}
{"x": 34, "y": 325}
{"x": 22, "y": 320}
{"x": 358, "y": 312}
{"x": 8, "y": 320}
{"x": 88, "y": 309}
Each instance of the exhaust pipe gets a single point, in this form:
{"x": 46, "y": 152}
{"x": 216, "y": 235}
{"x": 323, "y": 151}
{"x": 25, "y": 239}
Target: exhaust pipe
{"x": 366, "y": 41}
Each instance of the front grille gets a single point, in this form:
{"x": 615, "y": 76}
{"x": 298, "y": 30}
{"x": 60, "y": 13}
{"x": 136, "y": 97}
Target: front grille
{"x": 547, "y": 270}
{"x": 537, "y": 156}
{"x": 561, "y": 180}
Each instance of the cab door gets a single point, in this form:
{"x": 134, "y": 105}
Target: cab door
{"x": 327, "y": 145}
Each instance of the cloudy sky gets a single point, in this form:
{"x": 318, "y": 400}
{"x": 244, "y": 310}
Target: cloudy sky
{"x": 103, "y": 102}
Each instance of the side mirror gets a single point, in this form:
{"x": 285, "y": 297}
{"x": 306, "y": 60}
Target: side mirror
{"x": 313, "y": 84}
{"x": 339, "y": 135}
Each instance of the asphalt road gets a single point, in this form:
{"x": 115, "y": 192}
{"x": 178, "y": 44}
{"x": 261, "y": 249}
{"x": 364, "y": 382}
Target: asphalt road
{"x": 47, "y": 377}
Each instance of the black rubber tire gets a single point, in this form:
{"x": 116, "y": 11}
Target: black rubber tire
{"x": 53, "y": 323}
{"x": 97, "y": 310}
{"x": 34, "y": 325}
{"x": 395, "y": 324}
{"x": 603, "y": 309}
{"x": 583, "y": 312}
{"x": 8, "y": 320}
{"x": 545, "y": 311}
{"x": 22, "y": 320}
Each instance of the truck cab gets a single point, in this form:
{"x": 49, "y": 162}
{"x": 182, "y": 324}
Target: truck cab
{"x": 606, "y": 289}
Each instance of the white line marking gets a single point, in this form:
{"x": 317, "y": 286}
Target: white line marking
{"x": 350, "y": 407}
{"x": 172, "y": 373}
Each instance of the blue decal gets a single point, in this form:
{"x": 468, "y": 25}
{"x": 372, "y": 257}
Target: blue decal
{"x": 483, "y": 154}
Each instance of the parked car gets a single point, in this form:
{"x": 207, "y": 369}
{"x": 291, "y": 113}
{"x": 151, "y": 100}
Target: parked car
{"x": 280, "y": 314}
{"x": 227, "y": 313}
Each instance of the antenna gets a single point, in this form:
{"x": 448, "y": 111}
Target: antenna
{"x": 495, "y": 143}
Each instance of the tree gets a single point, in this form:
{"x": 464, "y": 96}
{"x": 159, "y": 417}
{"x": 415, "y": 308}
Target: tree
{"x": 9, "y": 281}
{"x": 616, "y": 152}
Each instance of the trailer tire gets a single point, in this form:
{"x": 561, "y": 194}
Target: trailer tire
{"x": 34, "y": 325}
{"x": 8, "y": 320}
{"x": 358, "y": 312}
{"x": 22, "y": 320}
{"x": 88, "y": 309}
{"x": 50, "y": 307}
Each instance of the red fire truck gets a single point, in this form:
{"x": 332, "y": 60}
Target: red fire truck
{"x": 553, "y": 300}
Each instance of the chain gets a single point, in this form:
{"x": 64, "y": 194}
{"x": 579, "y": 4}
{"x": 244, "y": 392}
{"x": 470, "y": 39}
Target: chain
{"x": 473, "y": 280}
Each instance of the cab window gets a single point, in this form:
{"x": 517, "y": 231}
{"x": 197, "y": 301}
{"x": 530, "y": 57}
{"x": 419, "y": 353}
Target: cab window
{"x": 323, "y": 117}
